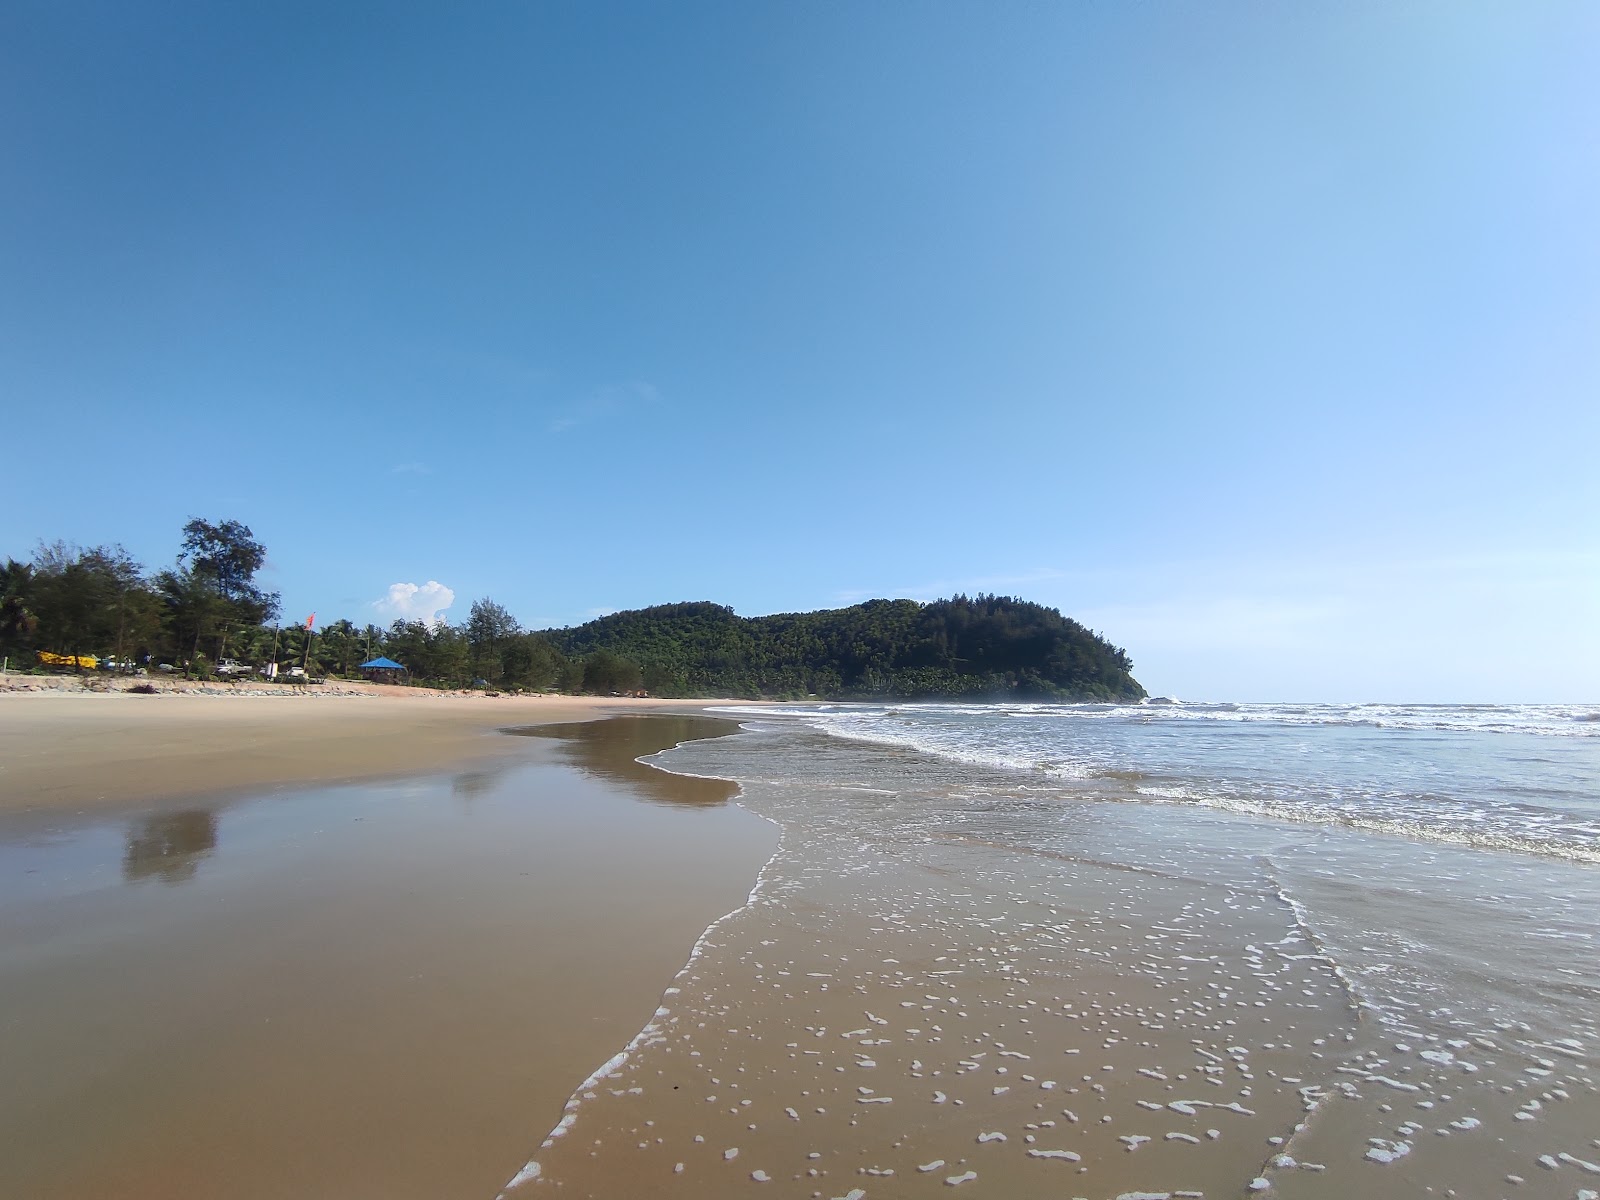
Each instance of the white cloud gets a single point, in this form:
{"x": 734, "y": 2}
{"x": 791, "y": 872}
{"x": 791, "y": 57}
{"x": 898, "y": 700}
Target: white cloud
{"x": 606, "y": 399}
{"x": 416, "y": 602}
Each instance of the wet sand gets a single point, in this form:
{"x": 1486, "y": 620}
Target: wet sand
{"x": 81, "y": 751}
{"x": 385, "y": 989}
{"x": 970, "y": 1017}
{"x": 938, "y": 986}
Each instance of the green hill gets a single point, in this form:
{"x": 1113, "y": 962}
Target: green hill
{"x": 979, "y": 648}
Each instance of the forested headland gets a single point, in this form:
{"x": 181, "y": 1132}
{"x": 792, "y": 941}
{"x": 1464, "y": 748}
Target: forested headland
{"x": 69, "y": 604}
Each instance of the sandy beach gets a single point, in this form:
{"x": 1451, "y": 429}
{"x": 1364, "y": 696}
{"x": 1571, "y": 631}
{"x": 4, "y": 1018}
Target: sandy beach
{"x": 342, "y": 946}
{"x": 374, "y": 946}
{"x": 74, "y": 750}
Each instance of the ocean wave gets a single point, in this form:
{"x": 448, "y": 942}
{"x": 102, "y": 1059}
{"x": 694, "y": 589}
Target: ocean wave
{"x": 1439, "y": 772}
{"x": 1548, "y": 720}
{"x": 1475, "y": 828}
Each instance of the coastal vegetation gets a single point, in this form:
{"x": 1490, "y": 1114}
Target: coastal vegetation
{"x": 70, "y": 606}
{"x": 965, "y": 646}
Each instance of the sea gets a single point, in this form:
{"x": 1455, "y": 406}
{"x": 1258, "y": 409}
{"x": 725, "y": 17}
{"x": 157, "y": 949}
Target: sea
{"x": 1451, "y": 848}
{"x": 1522, "y": 778}
{"x": 1165, "y": 949}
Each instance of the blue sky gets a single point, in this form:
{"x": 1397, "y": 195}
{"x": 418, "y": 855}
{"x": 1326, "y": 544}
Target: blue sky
{"x": 1264, "y": 338}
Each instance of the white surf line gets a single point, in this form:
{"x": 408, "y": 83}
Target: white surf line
{"x": 1314, "y": 1097}
{"x": 1353, "y": 996}
{"x": 532, "y": 1170}
{"x": 1282, "y": 1158}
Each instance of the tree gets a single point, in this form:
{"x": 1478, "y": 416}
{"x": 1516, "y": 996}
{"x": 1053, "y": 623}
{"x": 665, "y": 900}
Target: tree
{"x": 981, "y": 646}
{"x": 489, "y": 627}
{"x": 18, "y": 621}
{"x": 572, "y": 672}
{"x": 228, "y": 555}
{"x": 91, "y": 601}
{"x": 193, "y": 608}
{"x": 529, "y": 661}
{"x": 605, "y": 672}
{"x": 432, "y": 653}
{"x": 341, "y": 646}
{"x": 137, "y": 609}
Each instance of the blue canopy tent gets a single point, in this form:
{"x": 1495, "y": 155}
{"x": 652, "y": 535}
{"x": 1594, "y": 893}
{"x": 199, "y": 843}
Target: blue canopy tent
{"x": 380, "y": 669}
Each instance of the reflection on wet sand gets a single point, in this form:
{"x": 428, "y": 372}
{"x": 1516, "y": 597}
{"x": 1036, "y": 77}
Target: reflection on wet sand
{"x": 469, "y": 785}
{"x": 170, "y": 846}
{"x": 384, "y": 989}
{"x": 609, "y": 750}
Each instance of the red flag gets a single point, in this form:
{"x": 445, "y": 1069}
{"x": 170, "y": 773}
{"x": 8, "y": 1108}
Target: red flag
{"x": 309, "y": 621}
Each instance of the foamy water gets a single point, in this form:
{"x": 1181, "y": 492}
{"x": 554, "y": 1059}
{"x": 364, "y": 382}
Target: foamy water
{"x": 1514, "y": 777}
{"x": 1089, "y": 951}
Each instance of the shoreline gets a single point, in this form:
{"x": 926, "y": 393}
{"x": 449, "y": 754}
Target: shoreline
{"x": 1093, "y": 1001}
{"x": 651, "y": 1032}
{"x": 934, "y": 979}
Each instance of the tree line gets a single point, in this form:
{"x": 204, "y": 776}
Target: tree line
{"x": 73, "y": 602}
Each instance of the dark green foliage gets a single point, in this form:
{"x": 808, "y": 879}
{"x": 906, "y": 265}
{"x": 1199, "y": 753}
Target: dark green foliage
{"x": 528, "y": 661}
{"x": 88, "y": 601}
{"x": 977, "y": 647}
{"x": 227, "y": 556}
{"x": 434, "y": 654}
{"x": 98, "y": 601}
{"x": 337, "y": 649}
{"x": 490, "y": 629}
{"x": 79, "y": 602}
{"x": 681, "y": 649}
{"x": 193, "y": 610}
{"x": 18, "y": 601}
{"x": 605, "y": 673}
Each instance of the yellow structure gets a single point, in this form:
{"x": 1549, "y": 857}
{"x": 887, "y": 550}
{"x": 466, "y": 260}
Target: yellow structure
{"x": 87, "y": 661}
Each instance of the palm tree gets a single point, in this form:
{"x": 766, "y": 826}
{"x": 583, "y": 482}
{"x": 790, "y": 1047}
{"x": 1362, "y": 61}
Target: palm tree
{"x": 339, "y": 645}
{"x": 17, "y": 619}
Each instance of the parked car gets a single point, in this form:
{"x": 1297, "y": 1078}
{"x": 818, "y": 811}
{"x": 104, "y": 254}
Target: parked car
{"x": 230, "y": 667}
